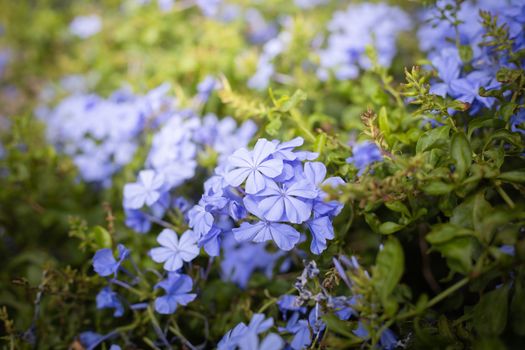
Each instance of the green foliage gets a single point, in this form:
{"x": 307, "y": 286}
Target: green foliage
{"x": 442, "y": 203}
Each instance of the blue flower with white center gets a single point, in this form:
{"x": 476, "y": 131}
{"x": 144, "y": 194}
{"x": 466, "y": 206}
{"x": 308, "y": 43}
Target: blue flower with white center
{"x": 105, "y": 264}
{"x": 285, "y": 236}
{"x": 177, "y": 288}
{"x": 200, "y": 220}
{"x": 146, "y": 191}
{"x": 137, "y": 221}
{"x": 245, "y": 337}
{"x": 107, "y": 298}
{"x": 174, "y": 251}
{"x": 255, "y": 167}
{"x": 466, "y": 89}
{"x": 271, "y": 342}
{"x": 448, "y": 65}
{"x": 364, "y": 154}
{"x": 351, "y": 31}
{"x": 286, "y": 202}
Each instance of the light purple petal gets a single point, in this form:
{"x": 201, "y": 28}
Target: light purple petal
{"x": 161, "y": 254}
{"x": 262, "y": 150}
{"x": 168, "y": 238}
{"x": 271, "y": 167}
{"x": 284, "y": 236}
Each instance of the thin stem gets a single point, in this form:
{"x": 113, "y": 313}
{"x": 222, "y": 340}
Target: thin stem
{"x": 443, "y": 295}
{"x": 127, "y": 286}
{"x": 175, "y": 330}
{"x": 157, "y": 328}
{"x": 505, "y": 196}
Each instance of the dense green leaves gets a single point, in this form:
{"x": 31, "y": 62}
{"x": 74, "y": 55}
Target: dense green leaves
{"x": 461, "y": 153}
{"x": 490, "y": 314}
{"x": 388, "y": 270}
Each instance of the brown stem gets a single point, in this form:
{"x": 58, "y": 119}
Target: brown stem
{"x": 425, "y": 258}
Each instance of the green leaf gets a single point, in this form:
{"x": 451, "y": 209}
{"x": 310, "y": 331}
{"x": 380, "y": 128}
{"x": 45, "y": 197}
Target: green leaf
{"x": 101, "y": 237}
{"x": 384, "y": 125}
{"x": 505, "y": 135}
{"x": 442, "y": 233}
{"x": 517, "y": 308}
{"x": 389, "y": 268}
{"x": 437, "y": 137}
{"x": 462, "y": 214}
{"x": 338, "y": 326}
{"x": 490, "y": 314}
{"x": 297, "y": 97}
{"x": 461, "y": 153}
{"x": 398, "y": 207}
{"x": 459, "y": 253}
{"x": 389, "y": 227}
{"x": 514, "y": 176}
{"x": 489, "y": 122}
{"x": 480, "y": 209}
{"x": 274, "y": 126}
{"x": 437, "y": 188}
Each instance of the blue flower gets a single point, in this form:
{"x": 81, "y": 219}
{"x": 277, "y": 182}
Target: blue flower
{"x": 200, "y": 220}
{"x": 174, "y": 251}
{"x": 517, "y": 122}
{"x": 90, "y": 339}
{"x": 448, "y": 65}
{"x": 209, "y": 7}
{"x": 211, "y": 241}
{"x": 290, "y": 303}
{"x": 107, "y": 298}
{"x": 303, "y": 329}
{"x": 254, "y": 167}
{"x": 388, "y": 340}
{"x": 322, "y": 230}
{"x": 364, "y": 154}
{"x": 145, "y": 191}
{"x": 230, "y": 340}
{"x": 353, "y": 30}
{"x": 85, "y": 26}
{"x": 177, "y": 289}
{"x": 245, "y": 337}
{"x": 251, "y": 342}
{"x": 242, "y": 259}
{"x": 286, "y": 202}
{"x": 467, "y": 89}
{"x": 105, "y": 264}
{"x": 206, "y": 87}
{"x": 361, "y": 331}
{"x": 283, "y": 235}
{"x": 137, "y": 221}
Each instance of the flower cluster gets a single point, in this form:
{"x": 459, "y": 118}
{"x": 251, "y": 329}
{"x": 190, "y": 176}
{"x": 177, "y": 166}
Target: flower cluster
{"x": 271, "y": 49}
{"x": 352, "y": 30}
{"x": 269, "y": 189}
{"x": 364, "y": 154}
{"x": 247, "y": 337}
{"x": 454, "y": 38}
{"x": 101, "y": 135}
{"x": 177, "y": 286}
{"x": 173, "y": 159}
